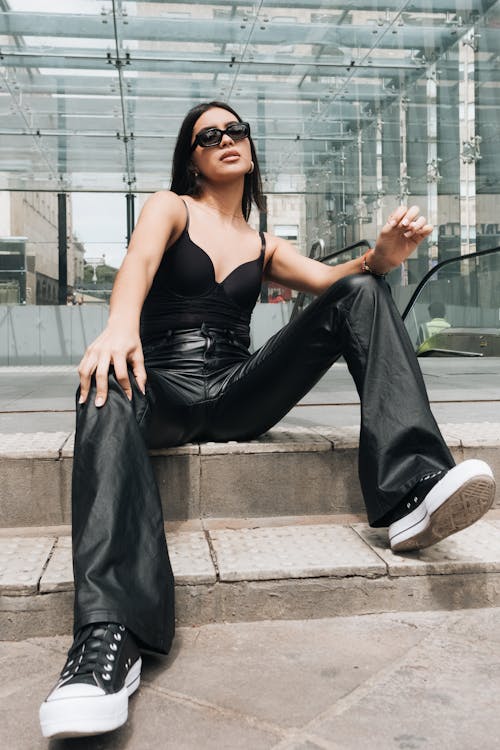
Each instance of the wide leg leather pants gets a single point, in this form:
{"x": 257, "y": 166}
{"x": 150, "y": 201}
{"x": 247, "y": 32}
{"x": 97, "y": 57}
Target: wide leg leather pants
{"x": 203, "y": 384}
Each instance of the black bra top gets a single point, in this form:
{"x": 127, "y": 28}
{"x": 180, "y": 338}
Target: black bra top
{"x": 186, "y": 294}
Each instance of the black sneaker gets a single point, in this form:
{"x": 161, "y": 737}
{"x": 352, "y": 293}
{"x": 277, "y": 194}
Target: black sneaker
{"x": 91, "y": 696}
{"x": 459, "y": 498}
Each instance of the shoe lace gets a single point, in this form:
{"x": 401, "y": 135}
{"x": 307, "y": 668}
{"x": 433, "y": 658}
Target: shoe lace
{"x": 94, "y": 650}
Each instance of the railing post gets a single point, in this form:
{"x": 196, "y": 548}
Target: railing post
{"x": 263, "y": 228}
{"x": 63, "y": 249}
{"x": 130, "y": 197}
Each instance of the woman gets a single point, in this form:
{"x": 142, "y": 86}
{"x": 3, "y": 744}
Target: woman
{"x": 173, "y": 366}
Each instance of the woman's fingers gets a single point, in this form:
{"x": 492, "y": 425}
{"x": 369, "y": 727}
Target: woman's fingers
{"x": 415, "y": 227}
{"x": 121, "y": 373}
{"x": 137, "y": 362}
{"x": 105, "y": 352}
{"x": 101, "y": 379}
{"x": 396, "y": 216}
{"x": 409, "y": 216}
{"x": 85, "y": 370}
{"x": 409, "y": 222}
{"x": 403, "y": 216}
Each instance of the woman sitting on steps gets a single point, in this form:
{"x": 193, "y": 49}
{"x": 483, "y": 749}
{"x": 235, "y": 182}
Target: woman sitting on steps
{"x": 173, "y": 366}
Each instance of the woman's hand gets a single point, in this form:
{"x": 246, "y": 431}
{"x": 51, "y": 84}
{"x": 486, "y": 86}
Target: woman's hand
{"x": 113, "y": 347}
{"x": 404, "y": 230}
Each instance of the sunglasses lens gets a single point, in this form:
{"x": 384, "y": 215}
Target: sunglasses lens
{"x": 238, "y": 131}
{"x": 209, "y": 137}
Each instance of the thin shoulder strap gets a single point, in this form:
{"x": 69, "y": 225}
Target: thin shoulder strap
{"x": 263, "y": 241}
{"x": 186, "y": 228}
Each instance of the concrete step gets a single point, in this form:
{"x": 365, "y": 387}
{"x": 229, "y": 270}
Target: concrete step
{"x": 276, "y": 568}
{"x": 288, "y": 471}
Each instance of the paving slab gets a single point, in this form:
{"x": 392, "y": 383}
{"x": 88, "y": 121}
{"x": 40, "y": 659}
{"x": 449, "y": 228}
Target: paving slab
{"x": 277, "y": 440}
{"x": 472, "y": 550}
{"x": 190, "y": 558}
{"x": 21, "y": 564}
{"x": 472, "y": 435}
{"x": 290, "y": 675}
{"x": 58, "y": 575}
{"x": 32, "y": 445}
{"x": 292, "y": 552}
{"x": 441, "y": 694}
{"x": 404, "y": 681}
{"x": 189, "y": 555}
{"x": 342, "y": 438}
{"x": 458, "y": 391}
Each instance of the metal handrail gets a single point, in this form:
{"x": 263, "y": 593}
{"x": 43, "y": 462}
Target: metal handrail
{"x": 299, "y": 299}
{"x": 325, "y": 258}
{"x": 364, "y": 243}
{"x": 436, "y": 268}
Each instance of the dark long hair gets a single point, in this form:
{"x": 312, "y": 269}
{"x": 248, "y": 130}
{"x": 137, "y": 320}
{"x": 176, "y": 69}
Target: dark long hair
{"x": 184, "y": 178}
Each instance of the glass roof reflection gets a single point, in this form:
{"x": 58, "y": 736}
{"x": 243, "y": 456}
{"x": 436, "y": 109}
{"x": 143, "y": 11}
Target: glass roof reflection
{"x": 92, "y": 95}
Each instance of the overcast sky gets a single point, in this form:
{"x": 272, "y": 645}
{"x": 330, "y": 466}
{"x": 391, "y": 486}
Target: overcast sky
{"x": 100, "y": 222}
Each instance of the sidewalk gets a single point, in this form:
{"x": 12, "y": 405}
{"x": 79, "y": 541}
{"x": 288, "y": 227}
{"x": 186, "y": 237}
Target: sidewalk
{"x": 419, "y": 681}
{"x": 41, "y": 399}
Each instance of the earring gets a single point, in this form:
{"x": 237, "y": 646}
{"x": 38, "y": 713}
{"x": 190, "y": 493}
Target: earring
{"x": 252, "y": 167}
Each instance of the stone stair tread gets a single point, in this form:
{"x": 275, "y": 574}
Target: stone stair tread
{"x": 289, "y": 471}
{"x": 472, "y": 550}
{"x": 282, "y": 571}
{"x": 41, "y": 565}
{"x": 292, "y": 552}
{"x": 279, "y": 439}
{"x": 32, "y": 444}
{"x": 22, "y": 561}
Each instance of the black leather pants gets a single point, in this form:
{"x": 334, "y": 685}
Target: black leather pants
{"x": 205, "y": 385}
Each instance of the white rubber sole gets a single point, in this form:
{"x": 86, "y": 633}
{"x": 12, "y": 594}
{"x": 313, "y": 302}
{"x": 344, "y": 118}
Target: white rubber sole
{"x": 458, "y": 500}
{"x": 82, "y": 717}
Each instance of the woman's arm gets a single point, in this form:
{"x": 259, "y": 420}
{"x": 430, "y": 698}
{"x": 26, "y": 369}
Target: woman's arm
{"x": 404, "y": 230}
{"x": 161, "y": 220}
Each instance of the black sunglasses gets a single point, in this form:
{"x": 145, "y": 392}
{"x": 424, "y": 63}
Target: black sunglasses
{"x": 209, "y": 137}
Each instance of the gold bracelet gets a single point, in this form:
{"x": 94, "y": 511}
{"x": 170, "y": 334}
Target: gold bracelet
{"x": 365, "y": 268}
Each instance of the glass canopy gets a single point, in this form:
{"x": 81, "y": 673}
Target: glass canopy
{"x": 361, "y": 99}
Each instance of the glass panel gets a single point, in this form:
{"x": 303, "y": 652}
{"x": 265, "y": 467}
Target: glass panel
{"x": 354, "y": 107}
{"x": 458, "y": 310}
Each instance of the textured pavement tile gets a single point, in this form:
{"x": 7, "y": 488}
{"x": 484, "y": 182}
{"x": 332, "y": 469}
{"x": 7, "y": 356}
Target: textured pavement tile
{"x": 451, "y": 434}
{"x": 182, "y": 450}
{"x": 277, "y": 440}
{"x": 58, "y": 575}
{"x": 68, "y": 447}
{"x": 32, "y": 444}
{"x": 21, "y": 563}
{"x": 190, "y": 557}
{"x": 292, "y": 552}
{"x": 473, "y": 550}
{"x": 341, "y": 437}
{"x": 474, "y": 434}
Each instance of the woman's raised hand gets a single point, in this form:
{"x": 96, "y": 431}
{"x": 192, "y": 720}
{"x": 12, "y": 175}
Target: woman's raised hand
{"x": 401, "y": 234}
{"x": 112, "y": 347}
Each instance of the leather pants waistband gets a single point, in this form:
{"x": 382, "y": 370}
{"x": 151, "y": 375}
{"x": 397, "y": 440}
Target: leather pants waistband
{"x": 202, "y": 334}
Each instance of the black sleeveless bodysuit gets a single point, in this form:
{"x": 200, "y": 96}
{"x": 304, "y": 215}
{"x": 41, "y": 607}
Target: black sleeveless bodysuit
{"x": 185, "y": 294}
